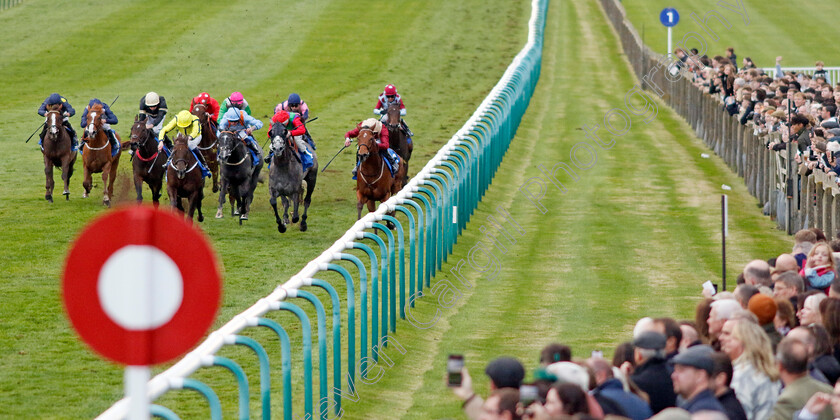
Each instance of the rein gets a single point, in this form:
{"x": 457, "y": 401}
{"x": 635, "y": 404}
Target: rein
{"x": 242, "y": 142}
{"x": 172, "y": 165}
{"x": 381, "y": 169}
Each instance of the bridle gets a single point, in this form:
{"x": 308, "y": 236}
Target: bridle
{"x": 138, "y": 145}
{"x": 367, "y": 147}
{"x": 225, "y": 150}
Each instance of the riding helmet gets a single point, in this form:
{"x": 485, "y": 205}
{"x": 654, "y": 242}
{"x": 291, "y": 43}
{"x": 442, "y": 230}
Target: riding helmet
{"x": 184, "y": 119}
{"x": 294, "y": 99}
{"x": 152, "y": 99}
{"x": 390, "y": 90}
{"x": 236, "y": 97}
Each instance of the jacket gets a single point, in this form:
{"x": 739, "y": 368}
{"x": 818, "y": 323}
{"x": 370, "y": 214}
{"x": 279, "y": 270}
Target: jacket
{"x": 110, "y": 118}
{"x": 156, "y": 115}
{"x": 194, "y": 129}
{"x": 226, "y": 105}
{"x": 633, "y": 406}
{"x": 240, "y": 115}
{"x": 654, "y": 377}
{"x": 42, "y": 111}
{"x": 381, "y": 137}
{"x": 796, "y": 394}
{"x": 703, "y": 401}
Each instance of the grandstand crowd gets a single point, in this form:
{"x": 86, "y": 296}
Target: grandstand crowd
{"x": 770, "y": 349}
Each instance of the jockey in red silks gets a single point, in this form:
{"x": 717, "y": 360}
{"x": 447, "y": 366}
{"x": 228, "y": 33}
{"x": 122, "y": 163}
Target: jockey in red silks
{"x": 380, "y": 135}
{"x": 209, "y": 103}
{"x": 389, "y": 96}
{"x": 295, "y": 130}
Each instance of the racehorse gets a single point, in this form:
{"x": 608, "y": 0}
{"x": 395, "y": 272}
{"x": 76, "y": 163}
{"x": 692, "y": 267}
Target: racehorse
{"x": 239, "y": 175}
{"x": 184, "y": 178}
{"x": 373, "y": 180}
{"x": 96, "y": 155}
{"x": 148, "y": 162}
{"x": 209, "y": 142}
{"x": 58, "y": 151}
{"x": 288, "y": 180}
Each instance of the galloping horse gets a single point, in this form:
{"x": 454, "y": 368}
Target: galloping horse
{"x": 58, "y": 151}
{"x": 287, "y": 179}
{"x": 148, "y": 162}
{"x": 184, "y": 178}
{"x": 373, "y": 181}
{"x": 96, "y": 155}
{"x": 209, "y": 142}
{"x": 239, "y": 176}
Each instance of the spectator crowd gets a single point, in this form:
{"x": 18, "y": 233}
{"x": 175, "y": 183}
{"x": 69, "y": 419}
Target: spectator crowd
{"x": 769, "y": 349}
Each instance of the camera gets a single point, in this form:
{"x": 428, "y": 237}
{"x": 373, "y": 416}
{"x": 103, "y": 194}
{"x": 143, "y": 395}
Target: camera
{"x": 454, "y": 365}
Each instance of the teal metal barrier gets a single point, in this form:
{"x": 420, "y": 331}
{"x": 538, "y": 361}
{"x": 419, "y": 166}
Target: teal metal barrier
{"x": 435, "y": 207}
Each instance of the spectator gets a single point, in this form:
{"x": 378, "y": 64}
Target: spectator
{"x": 809, "y": 313}
{"x": 757, "y": 273}
{"x": 652, "y": 373}
{"x": 568, "y": 399}
{"x": 807, "y": 337}
{"x": 819, "y": 269}
{"x": 612, "y": 389}
{"x": 555, "y": 352}
{"x": 792, "y": 362}
{"x": 701, "y": 319}
{"x": 831, "y": 322}
{"x": 691, "y": 377}
{"x": 784, "y": 262}
{"x": 834, "y": 290}
{"x": 690, "y": 337}
{"x": 823, "y": 357}
{"x": 673, "y": 335}
{"x": 504, "y": 372}
{"x": 720, "y": 382}
{"x": 764, "y": 308}
{"x": 744, "y": 293}
{"x": 788, "y": 284}
{"x": 501, "y": 405}
{"x": 722, "y": 310}
{"x": 755, "y": 377}
{"x": 785, "y": 319}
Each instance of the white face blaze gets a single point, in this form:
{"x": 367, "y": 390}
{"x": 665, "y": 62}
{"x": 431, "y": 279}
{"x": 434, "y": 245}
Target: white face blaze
{"x": 92, "y": 119}
{"x": 53, "y": 124}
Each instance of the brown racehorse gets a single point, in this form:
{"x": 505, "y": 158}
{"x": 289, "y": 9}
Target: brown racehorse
{"x": 373, "y": 180}
{"x": 184, "y": 179}
{"x": 398, "y": 139}
{"x": 209, "y": 142}
{"x": 147, "y": 162}
{"x": 96, "y": 155}
{"x": 57, "y": 150}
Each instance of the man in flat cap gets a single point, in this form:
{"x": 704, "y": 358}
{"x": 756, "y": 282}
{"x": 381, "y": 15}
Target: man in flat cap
{"x": 691, "y": 377}
{"x": 652, "y": 374}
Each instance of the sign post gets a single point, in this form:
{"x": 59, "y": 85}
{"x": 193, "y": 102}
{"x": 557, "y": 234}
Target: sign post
{"x": 669, "y": 17}
{"x": 141, "y": 286}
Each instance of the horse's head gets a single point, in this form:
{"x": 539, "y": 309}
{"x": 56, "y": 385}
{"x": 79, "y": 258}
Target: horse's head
{"x": 94, "y": 116}
{"x": 228, "y": 141}
{"x": 53, "y": 122}
{"x": 393, "y": 114}
{"x": 139, "y": 133}
{"x": 278, "y": 135}
{"x": 200, "y": 111}
{"x": 180, "y": 155}
{"x": 367, "y": 144}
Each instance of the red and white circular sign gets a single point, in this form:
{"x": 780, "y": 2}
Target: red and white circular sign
{"x": 141, "y": 285}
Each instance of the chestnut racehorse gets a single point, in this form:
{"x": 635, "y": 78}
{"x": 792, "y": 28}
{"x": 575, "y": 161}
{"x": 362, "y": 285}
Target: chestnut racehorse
{"x": 184, "y": 178}
{"x": 373, "y": 180}
{"x": 148, "y": 162}
{"x": 209, "y": 142}
{"x": 96, "y": 155}
{"x": 58, "y": 151}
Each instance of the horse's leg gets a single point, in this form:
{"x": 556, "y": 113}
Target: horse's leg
{"x": 198, "y": 201}
{"x": 214, "y": 169}
{"x": 222, "y": 189}
{"x": 66, "y": 172}
{"x": 87, "y": 182}
{"x": 296, "y": 200}
{"x": 138, "y": 183}
{"x": 310, "y": 186}
{"x": 273, "y": 201}
{"x": 172, "y": 193}
{"x": 48, "y": 171}
{"x": 285, "y": 209}
{"x": 360, "y": 202}
{"x": 115, "y": 163}
{"x": 106, "y": 171}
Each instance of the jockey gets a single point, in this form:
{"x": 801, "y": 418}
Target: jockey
{"x": 385, "y": 99}
{"x": 153, "y": 107}
{"x": 294, "y": 104}
{"x": 235, "y": 100}
{"x": 211, "y": 104}
{"x": 189, "y": 125}
{"x": 294, "y": 130}
{"x": 238, "y": 120}
{"x": 380, "y": 135}
{"x": 66, "y": 110}
{"x": 109, "y": 118}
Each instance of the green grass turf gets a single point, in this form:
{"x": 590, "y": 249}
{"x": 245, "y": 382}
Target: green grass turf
{"x": 635, "y": 236}
{"x": 794, "y": 30}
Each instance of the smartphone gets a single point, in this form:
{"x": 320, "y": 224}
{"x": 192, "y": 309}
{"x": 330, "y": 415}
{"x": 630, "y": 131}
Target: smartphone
{"x": 454, "y": 365}
{"x": 528, "y": 394}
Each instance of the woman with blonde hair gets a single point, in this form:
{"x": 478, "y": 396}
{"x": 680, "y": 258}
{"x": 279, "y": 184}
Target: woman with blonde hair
{"x": 819, "y": 269}
{"x": 755, "y": 377}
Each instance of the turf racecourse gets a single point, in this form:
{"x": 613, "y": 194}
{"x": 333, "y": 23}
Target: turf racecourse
{"x": 635, "y": 236}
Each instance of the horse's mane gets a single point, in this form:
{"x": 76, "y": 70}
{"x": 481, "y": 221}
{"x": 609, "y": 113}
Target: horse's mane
{"x": 180, "y": 139}
{"x": 53, "y": 107}
{"x": 95, "y": 108}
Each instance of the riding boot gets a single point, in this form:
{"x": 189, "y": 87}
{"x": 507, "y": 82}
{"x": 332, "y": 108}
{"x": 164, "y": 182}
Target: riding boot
{"x": 269, "y": 157}
{"x": 406, "y": 129}
{"x": 42, "y": 135}
{"x": 355, "y": 171}
{"x": 205, "y": 170}
{"x": 75, "y": 138}
{"x": 115, "y": 145}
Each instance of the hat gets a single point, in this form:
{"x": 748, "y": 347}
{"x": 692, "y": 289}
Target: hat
{"x": 184, "y": 119}
{"x": 769, "y": 108}
{"x": 650, "y": 340}
{"x": 699, "y": 357}
{"x": 294, "y": 99}
{"x": 282, "y": 117}
{"x": 834, "y": 131}
{"x": 764, "y": 307}
{"x": 830, "y": 124}
{"x": 152, "y": 99}
{"x": 236, "y": 97}
{"x": 54, "y": 99}
{"x": 568, "y": 372}
{"x": 778, "y": 113}
{"x": 505, "y": 372}
{"x": 832, "y": 146}
{"x": 390, "y": 90}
